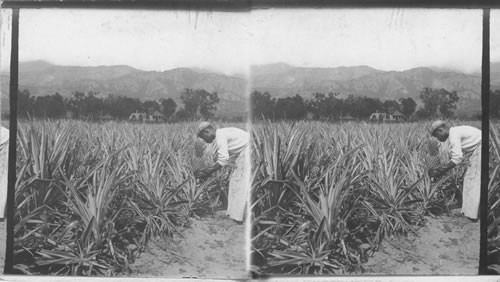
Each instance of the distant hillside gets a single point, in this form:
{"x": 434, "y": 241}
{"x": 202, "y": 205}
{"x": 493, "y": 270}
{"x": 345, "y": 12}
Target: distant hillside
{"x": 42, "y": 78}
{"x": 284, "y": 80}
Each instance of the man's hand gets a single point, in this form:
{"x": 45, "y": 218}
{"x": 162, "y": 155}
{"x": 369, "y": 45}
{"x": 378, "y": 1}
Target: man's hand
{"x": 202, "y": 173}
{"x": 439, "y": 171}
{"x": 199, "y": 174}
{"x": 207, "y": 171}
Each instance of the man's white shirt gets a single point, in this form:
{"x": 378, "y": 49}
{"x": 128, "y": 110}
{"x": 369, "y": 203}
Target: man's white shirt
{"x": 230, "y": 142}
{"x": 462, "y": 141}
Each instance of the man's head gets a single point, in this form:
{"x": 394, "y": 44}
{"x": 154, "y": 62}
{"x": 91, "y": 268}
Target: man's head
{"x": 206, "y": 131}
{"x": 440, "y": 130}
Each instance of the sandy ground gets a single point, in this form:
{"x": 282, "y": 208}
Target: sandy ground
{"x": 442, "y": 246}
{"x": 212, "y": 247}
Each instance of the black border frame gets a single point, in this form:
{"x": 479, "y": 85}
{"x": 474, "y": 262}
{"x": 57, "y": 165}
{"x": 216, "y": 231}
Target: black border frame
{"x": 244, "y": 6}
{"x": 485, "y": 101}
{"x": 11, "y": 185}
{"x": 231, "y": 5}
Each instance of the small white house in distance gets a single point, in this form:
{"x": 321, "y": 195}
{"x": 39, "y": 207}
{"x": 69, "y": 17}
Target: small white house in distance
{"x": 384, "y": 117}
{"x": 377, "y": 116}
{"x": 138, "y": 116}
{"x": 398, "y": 116}
{"x": 106, "y": 117}
{"x": 157, "y": 116}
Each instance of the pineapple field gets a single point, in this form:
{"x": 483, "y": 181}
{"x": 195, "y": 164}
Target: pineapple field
{"x": 494, "y": 200}
{"x": 342, "y": 198}
{"x": 93, "y": 198}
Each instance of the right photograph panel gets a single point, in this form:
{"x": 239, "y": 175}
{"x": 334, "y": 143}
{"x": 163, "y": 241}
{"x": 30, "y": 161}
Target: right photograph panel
{"x": 366, "y": 141}
{"x": 494, "y": 169}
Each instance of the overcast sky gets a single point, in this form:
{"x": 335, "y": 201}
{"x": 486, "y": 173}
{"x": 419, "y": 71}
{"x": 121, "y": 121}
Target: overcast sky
{"x": 148, "y": 40}
{"x": 5, "y": 36}
{"x": 387, "y": 39}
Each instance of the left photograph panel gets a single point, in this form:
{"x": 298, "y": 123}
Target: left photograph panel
{"x": 131, "y": 144}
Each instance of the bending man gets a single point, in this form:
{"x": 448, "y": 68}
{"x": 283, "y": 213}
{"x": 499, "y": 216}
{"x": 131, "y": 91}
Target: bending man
{"x": 231, "y": 144}
{"x": 464, "y": 143}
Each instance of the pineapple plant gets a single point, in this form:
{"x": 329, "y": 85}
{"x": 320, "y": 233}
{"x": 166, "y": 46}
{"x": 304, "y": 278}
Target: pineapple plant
{"x": 315, "y": 170}
{"x": 432, "y": 162}
{"x": 81, "y": 171}
{"x": 429, "y": 154}
{"x": 96, "y": 225}
{"x": 379, "y": 173}
{"x": 198, "y": 161}
{"x": 198, "y": 164}
{"x": 199, "y": 148}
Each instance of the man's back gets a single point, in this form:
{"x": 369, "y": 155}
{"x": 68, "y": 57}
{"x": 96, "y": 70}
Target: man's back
{"x": 467, "y": 136}
{"x": 230, "y": 141}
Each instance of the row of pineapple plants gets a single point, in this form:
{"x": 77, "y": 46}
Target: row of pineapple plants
{"x": 90, "y": 196}
{"x": 494, "y": 200}
{"x": 326, "y": 195}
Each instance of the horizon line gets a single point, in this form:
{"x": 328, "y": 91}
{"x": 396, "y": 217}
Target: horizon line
{"x": 237, "y": 74}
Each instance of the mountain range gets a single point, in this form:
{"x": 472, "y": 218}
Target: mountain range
{"x": 281, "y": 80}
{"x": 43, "y": 78}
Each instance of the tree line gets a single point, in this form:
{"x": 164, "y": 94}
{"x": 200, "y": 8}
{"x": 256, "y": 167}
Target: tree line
{"x": 197, "y": 104}
{"x": 435, "y": 102}
{"x": 201, "y": 104}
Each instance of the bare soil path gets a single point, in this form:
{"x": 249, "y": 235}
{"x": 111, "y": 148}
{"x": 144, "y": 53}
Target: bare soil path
{"x": 212, "y": 247}
{"x": 443, "y": 246}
